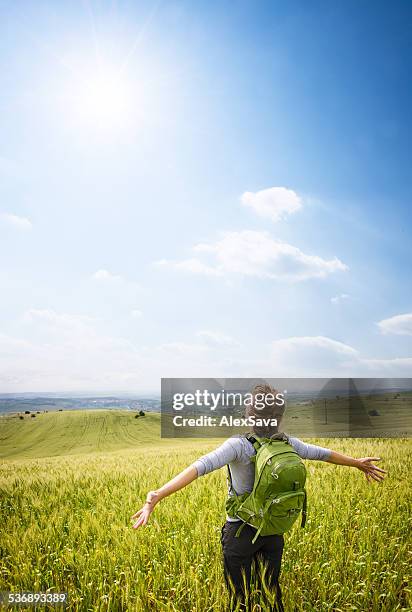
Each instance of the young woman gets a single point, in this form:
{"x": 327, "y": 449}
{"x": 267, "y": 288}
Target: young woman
{"x": 239, "y": 553}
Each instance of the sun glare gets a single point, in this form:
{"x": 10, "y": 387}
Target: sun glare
{"x": 103, "y": 100}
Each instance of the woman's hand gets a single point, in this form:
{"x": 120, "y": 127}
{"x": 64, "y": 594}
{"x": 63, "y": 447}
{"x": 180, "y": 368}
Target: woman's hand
{"x": 144, "y": 513}
{"x": 371, "y": 471}
{"x": 177, "y": 483}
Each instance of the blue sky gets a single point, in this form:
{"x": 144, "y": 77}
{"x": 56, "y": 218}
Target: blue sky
{"x": 203, "y": 189}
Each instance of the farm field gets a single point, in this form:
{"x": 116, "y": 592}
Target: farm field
{"x": 387, "y": 415}
{"x": 381, "y": 415}
{"x": 69, "y": 482}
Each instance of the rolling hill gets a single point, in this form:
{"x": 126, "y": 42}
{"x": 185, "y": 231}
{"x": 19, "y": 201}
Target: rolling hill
{"x": 75, "y": 432}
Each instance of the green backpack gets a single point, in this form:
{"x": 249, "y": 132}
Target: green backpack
{"x": 278, "y": 495}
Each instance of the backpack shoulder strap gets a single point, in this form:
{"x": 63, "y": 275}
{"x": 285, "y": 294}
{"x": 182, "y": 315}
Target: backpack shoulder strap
{"x": 254, "y": 440}
{"x": 304, "y": 510}
{"x": 230, "y": 483}
{"x": 258, "y": 442}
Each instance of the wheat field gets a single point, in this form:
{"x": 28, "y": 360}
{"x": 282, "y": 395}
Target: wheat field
{"x": 70, "y": 481}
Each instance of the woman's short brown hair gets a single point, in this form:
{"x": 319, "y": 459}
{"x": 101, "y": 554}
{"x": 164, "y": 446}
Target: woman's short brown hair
{"x": 264, "y": 407}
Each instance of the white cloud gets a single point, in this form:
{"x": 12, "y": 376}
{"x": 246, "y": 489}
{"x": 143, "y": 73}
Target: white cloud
{"x": 318, "y": 342}
{"x": 214, "y": 338}
{"x": 204, "y": 348}
{"x": 252, "y": 253}
{"x": 17, "y": 222}
{"x": 190, "y": 350}
{"x": 8, "y": 344}
{"x": 136, "y": 313}
{"x": 51, "y": 317}
{"x": 397, "y": 367}
{"x": 64, "y": 351}
{"x": 400, "y": 325}
{"x": 118, "y": 289}
{"x": 338, "y": 299}
{"x": 48, "y": 325}
{"x": 193, "y": 266}
{"x": 320, "y": 356}
{"x": 304, "y": 356}
{"x": 72, "y": 352}
{"x": 311, "y": 355}
{"x": 274, "y": 203}
{"x": 213, "y": 352}
{"x": 105, "y": 275}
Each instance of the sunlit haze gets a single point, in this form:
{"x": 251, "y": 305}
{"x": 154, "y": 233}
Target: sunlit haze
{"x": 193, "y": 190}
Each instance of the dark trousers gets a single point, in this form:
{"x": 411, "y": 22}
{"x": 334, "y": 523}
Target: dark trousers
{"x": 238, "y": 556}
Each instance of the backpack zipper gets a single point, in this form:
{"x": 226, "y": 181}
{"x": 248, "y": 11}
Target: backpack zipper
{"x": 283, "y": 496}
{"x": 267, "y": 462}
{"x": 275, "y": 474}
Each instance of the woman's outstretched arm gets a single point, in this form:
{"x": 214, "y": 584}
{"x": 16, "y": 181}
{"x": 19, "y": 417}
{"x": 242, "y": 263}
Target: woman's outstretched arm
{"x": 311, "y": 451}
{"x": 153, "y": 497}
{"x": 224, "y": 454}
{"x": 365, "y": 464}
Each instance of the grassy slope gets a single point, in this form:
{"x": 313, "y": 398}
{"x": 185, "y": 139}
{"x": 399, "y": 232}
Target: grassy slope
{"x": 86, "y": 431}
{"x": 393, "y": 418}
{"x": 76, "y": 432}
{"x": 66, "y": 521}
